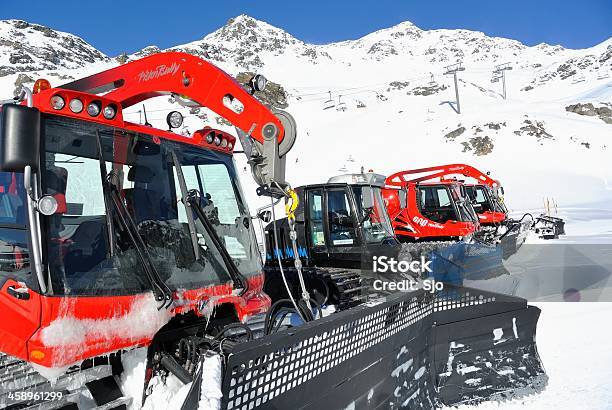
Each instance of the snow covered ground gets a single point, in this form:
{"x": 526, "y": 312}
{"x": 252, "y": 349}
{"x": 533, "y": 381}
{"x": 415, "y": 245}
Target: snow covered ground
{"x": 574, "y": 344}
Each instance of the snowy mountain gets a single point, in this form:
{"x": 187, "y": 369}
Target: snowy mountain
{"x": 26, "y": 47}
{"x": 383, "y": 102}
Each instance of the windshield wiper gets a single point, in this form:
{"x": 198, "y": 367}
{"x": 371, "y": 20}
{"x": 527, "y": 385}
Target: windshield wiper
{"x": 160, "y": 289}
{"x": 193, "y": 198}
{"x": 113, "y": 201}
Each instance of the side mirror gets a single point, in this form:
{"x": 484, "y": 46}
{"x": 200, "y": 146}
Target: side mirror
{"x": 501, "y": 190}
{"x": 265, "y": 216}
{"x": 19, "y": 138}
{"x": 367, "y": 196}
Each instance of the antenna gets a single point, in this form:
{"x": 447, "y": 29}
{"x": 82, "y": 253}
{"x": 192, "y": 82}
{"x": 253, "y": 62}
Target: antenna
{"x": 144, "y": 110}
{"x": 500, "y": 73}
{"x": 452, "y": 69}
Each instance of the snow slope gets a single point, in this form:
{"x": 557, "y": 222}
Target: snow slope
{"x": 530, "y": 142}
{"x": 574, "y": 346}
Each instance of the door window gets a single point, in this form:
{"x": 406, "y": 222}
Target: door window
{"x": 14, "y": 253}
{"x": 315, "y": 213}
{"x": 436, "y": 204}
{"x": 340, "y": 219}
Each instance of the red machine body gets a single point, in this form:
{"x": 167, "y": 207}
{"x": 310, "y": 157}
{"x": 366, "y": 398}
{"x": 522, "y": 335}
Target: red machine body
{"x": 483, "y": 187}
{"x": 27, "y": 318}
{"x": 424, "y": 210}
{"x": 411, "y": 222}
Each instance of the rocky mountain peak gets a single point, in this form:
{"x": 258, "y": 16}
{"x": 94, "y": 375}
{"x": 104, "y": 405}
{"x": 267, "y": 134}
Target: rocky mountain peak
{"x": 26, "y": 47}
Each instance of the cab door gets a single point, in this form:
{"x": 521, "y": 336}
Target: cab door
{"x": 316, "y": 236}
{"x": 19, "y": 300}
{"x": 344, "y": 243}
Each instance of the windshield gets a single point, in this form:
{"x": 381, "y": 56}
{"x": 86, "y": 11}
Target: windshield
{"x": 142, "y": 172}
{"x": 464, "y": 205}
{"x": 373, "y": 214}
{"x": 497, "y": 200}
{"x": 487, "y": 198}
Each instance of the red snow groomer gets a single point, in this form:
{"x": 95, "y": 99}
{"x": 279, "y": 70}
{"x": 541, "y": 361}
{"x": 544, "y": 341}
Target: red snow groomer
{"x": 116, "y": 235}
{"x": 422, "y": 209}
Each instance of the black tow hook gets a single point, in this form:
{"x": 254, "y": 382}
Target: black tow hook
{"x": 176, "y": 369}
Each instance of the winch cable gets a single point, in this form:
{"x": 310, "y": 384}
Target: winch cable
{"x": 280, "y": 264}
{"x": 291, "y": 204}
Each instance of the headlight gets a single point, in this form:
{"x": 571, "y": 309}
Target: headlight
{"x": 57, "y": 102}
{"x": 109, "y": 112}
{"x": 230, "y": 146}
{"x": 210, "y": 137}
{"x": 93, "y": 108}
{"x": 259, "y": 82}
{"x": 76, "y": 105}
{"x": 47, "y": 205}
{"x": 223, "y": 143}
{"x": 174, "y": 119}
{"x": 217, "y": 140}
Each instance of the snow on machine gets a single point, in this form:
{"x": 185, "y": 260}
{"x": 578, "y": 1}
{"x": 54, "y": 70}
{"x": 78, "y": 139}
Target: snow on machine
{"x": 118, "y": 235}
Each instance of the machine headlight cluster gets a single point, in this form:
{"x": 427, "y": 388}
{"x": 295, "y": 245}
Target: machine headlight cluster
{"x": 78, "y": 104}
{"x": 219, "y": 140}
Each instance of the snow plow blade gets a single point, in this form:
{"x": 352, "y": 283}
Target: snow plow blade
{"x": 414, "y": 350}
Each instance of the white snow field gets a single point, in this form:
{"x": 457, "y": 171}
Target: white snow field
{"x": 399, "y": 115}
{"x": 573, "y": 341}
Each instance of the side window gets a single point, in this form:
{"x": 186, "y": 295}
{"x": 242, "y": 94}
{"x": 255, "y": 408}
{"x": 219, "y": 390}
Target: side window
{"x": 340, "y": 218}
{"x": 443, "y": 198}
{"x": 480, "y": 196}
{"x": 219, "y": 192}
{"x": 315, "y": 213}
{"x": 13, "y": 233}
{"x": 435, "y": 204}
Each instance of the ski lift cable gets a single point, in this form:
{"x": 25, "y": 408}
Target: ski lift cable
{"x": 385, "y": 84}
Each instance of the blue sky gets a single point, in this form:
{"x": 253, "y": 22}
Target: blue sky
{"x": 115, "y": 27}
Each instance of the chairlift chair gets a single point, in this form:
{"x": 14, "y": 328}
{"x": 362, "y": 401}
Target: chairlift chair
{"x": 329, "y": 103}
{"x": 341, "y": 105}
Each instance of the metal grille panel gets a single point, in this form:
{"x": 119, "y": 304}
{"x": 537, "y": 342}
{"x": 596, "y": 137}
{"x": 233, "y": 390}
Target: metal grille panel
{"x": 263, "y": 370}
